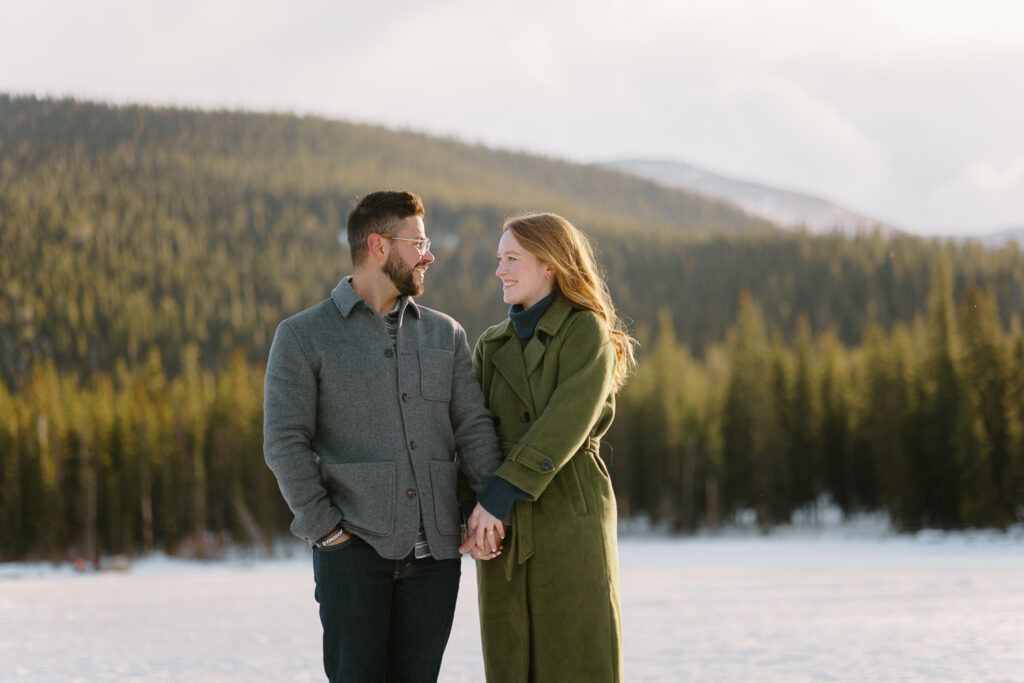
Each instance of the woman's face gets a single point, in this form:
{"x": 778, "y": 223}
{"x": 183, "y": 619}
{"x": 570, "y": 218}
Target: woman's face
{"x": 524, "y": 279}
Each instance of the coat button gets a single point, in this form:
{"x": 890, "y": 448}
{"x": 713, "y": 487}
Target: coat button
{"x": 526, "y": 417}
{"x": 411, "y": 493}
{"x": 546, "y": 465}
{"x": 412, "y": 444}
{"x": 389, "y": 353}
{"x": 405, "y": 398}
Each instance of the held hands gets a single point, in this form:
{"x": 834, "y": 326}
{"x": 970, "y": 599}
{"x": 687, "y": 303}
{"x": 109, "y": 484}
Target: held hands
{"x": 484, "y": 533}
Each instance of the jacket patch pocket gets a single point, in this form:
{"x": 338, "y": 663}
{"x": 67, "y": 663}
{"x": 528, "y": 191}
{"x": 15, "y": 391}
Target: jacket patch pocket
{"x": 436, "y": 374}
{"x": 443, "y": 483}
{"x": 365, "y": 494}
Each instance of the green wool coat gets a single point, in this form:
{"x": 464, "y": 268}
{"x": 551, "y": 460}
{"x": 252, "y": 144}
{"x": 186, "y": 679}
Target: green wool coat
{"x": 549, "y": 605}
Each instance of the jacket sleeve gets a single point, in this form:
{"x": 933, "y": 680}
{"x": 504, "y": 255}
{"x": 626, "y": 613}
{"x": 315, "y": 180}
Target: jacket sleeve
{"x": 477, "y": 444}
{"x": 586, "y": 370}
{"x": 289, "y": 423}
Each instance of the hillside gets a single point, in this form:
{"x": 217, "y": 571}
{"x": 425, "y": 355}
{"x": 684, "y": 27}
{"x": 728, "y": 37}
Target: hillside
{"x": 147, "y": 256}
{"x": 128, "y": 229}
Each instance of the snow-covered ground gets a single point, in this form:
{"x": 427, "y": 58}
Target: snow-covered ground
{"x": 850, "y": 604}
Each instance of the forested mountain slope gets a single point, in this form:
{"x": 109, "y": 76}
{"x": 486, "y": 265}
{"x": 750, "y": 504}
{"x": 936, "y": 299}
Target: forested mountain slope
{"x": 130, "y": 228}
{"x": 147, "y": 255}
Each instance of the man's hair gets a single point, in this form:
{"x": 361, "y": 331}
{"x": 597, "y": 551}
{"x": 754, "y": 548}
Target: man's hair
{"x": 378, "y": 212}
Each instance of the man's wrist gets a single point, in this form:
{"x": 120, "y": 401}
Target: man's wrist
{"x": 330, "y": 537}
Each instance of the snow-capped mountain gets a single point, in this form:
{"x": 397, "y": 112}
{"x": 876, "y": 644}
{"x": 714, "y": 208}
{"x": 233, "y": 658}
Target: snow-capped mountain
{"x": 786, "y": 209}
{"x": 1001, "y": 237}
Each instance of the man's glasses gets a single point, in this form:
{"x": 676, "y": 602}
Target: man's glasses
{"x": 422, "y": 244}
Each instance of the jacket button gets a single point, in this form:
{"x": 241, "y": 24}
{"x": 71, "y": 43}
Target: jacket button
{"x": 389, "y": 353}
{"x": 497, "y": 420}
{"x": 412, "y": 444}
{"x": 526, "y": 417}
{"x": 411, "y": 493}
{"x": 405, "y": 398}
{"x": 546, "y": 465}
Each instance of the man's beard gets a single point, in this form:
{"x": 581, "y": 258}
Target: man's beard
{"x": 402, "y": 276}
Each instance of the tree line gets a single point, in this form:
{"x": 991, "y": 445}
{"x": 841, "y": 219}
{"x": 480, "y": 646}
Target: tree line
{"x": 146, "y": 256}
{"x": 135, "y": 461}
{"x": 925, "y": 422}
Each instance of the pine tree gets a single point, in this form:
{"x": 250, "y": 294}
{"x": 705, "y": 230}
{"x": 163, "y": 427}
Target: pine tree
{"x": 747, "y": 425}
{"x": 986, "y": 500}
{"x": 937, "y": 469}
{"x": 842, "y": 463}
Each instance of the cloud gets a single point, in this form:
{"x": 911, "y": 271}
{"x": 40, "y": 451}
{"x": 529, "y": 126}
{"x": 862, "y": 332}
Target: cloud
{"x": 908, "y": 111}
{"x": 984, "y": 194}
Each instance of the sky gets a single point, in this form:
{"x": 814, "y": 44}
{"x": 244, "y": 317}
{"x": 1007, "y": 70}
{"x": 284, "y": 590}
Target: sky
{"x": 907, "y": 111}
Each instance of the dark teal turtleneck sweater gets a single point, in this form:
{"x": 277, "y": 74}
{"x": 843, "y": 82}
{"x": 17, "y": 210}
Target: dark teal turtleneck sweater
{"x": 524, "y": 322}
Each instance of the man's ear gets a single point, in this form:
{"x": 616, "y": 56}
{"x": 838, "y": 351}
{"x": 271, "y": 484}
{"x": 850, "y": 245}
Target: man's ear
{"x": 375, "y": 245}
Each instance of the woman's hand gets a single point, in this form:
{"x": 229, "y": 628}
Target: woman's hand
{"x": 484, "y": 532}
{"x": 476, "y": 552}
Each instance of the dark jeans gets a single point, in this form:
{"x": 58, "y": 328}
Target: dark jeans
{"x": 384, "y": 620}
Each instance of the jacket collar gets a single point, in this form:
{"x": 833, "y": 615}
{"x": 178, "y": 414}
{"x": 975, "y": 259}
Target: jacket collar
{"x": 549, "y": 323}
{"x": 515, "y": 363}
{"x": 555, "y": 316}
{"x": 346, "y": 298}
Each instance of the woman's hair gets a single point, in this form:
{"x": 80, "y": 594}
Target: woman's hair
{"x": 559, "y": 244}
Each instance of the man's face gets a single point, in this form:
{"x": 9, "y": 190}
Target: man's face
{"x": 405, "y": 266}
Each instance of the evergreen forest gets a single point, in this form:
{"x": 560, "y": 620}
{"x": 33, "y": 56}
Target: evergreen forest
{"x": 148, "y": 254}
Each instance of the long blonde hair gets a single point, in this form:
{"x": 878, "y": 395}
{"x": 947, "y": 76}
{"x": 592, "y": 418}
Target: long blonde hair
{"x": 559, "y": 244}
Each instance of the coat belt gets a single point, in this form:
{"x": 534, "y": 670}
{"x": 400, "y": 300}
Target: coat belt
{"x": 521, "y": 548}
{"x": 522, "y": 537}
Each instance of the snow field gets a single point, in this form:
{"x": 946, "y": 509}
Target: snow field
{"x": 799, "y": 607}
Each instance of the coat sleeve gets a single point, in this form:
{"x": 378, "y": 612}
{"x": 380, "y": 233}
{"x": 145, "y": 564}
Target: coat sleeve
{"x": 289, "y": 423}
{"x": 477, "y": 444}
{"x": 586, "y": 370}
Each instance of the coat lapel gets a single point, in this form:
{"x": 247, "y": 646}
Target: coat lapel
{"x": 532, "y": 355}
{"x": 508, "y": 361}
{"x": 516, "y": 364}
{"x": 547, "y": 327}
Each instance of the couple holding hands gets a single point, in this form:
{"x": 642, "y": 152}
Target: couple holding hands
{"x": 379, "y": 421}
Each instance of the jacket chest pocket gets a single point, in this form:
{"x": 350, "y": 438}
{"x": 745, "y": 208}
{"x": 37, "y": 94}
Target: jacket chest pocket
{"x": 436, "y": 374}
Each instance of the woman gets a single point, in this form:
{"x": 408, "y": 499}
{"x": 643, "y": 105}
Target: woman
{"x": 549, "y": 608}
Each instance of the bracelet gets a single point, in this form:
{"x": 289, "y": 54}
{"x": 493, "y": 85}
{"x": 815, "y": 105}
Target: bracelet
{"x": 333, "y": 537}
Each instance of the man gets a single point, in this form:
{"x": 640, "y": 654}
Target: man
{"x": 371, "y": 408}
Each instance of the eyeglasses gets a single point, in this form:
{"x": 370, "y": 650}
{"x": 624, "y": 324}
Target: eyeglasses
{"x": 422, "y": 244}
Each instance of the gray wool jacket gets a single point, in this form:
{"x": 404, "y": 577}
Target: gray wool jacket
{"x": 359, "y": 435}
